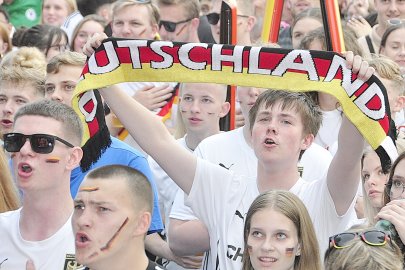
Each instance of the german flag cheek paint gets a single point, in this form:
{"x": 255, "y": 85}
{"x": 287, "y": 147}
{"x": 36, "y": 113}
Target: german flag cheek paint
{"x": 52, "y": 160}
{"x": 289, "y": 252}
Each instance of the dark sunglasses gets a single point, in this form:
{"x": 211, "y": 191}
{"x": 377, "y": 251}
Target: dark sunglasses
{"x": 213, "y": 18}
{"x": 40, "y": 143}
{"x": 372, "y": 238}
{"x": 171, "y": 26}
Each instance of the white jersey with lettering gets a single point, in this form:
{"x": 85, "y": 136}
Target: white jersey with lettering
{"x": 230, "y": 150}
{"x": 221, "y": 200}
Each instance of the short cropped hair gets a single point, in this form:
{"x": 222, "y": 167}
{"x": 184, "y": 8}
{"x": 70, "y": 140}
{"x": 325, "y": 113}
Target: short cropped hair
{"x": 152, "y": 8}
{"x": 71, "y": 124}
{"x": 25, "y": 66}
{"x": 137, "y": 183}
{"x": 65, "y": 58}
{"x": 310, "y": 113}
{"x": 191, "y": 7}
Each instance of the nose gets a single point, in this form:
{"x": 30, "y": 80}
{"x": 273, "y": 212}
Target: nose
{"x": 8, "y": 108}
{"x": 163, "y": 33}
{"x": 393, "y": 6}
{"x": 82, "y": 219}
{"x": 402, "y": 51}
{"x": 26, "y": 149}
{"x": 126, "y": 28}
{"x": 267, "y": 245}
{"x": 253, "y": 92}
{"x": 371, "y": 180}
{"x": 55, "y": 96}
{"x": 195, "y": 106}
{"x": 272, "y": 127}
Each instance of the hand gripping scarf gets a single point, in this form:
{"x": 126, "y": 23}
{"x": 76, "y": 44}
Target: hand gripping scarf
{"x": 123, "y": 60}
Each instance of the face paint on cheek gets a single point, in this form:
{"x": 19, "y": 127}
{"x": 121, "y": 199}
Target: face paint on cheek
{"x": 289, "y": 252}
{"x": 12, "y": 155}
{"x": 143, "y": 32}
{"x": 110, "y": 242}
{"x": 93, "y": 255}
{"x": 52, "y": 160}
{"x": 89, "y": 189}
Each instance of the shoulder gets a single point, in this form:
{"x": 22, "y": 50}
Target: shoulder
{"x": 221, "y": 138}
{"x": 119, "y": 147}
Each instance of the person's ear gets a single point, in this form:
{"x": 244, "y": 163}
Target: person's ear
{"x": 195, "y": 22}
{"x": 75, "y": 157}
{"x": 226, "y": 106}
{"x": 298, "y": 252}
{"x": 399, "y": 103}
{"x": 143, "y": 223}
{"x": 155, "y": 29}
{"x": 307, "y": 141}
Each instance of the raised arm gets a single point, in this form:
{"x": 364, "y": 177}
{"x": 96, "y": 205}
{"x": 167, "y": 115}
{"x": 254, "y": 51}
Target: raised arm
{"x": 150, "y": 133}
{"x": 344, "y": 171}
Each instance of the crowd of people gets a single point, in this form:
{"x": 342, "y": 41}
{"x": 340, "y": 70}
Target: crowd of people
{"x": 293, "y": 186}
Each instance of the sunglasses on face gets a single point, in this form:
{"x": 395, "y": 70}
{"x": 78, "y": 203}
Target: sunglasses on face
{"x": 372, "y": 238}
{"x": 40, "y": 143}
{"x": 171, "y": 26}
{"x": 213, "y": 18}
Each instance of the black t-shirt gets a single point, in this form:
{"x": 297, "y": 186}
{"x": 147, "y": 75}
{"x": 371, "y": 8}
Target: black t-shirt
{"x": 151, "y": 266}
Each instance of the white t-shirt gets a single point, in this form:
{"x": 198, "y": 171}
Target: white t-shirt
{"x": 231, "y": 150}
{"x": 56, "y": 252}
{"x": 221, "y": 200}
{"x": 327, "y": 136}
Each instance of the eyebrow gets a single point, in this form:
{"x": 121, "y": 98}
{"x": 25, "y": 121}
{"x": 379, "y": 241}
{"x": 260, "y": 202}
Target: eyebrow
{"x": 398, "y": 177}
{"x": 79, "y": 201}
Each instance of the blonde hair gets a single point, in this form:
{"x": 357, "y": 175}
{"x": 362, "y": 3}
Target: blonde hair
{"x": 360, "y": 255}
{"x": 191, "y": 7}
{"x": 65, "y": 58}
{"x": 388, "y": 69}
{"x": 152, "y": 8}
{"x": 294, "y": 209}
{"x": 26, "y": 65}
{"x": 71, "y": 5}
{"x": 5, "y": 36}
{"x": 8, "y": 193}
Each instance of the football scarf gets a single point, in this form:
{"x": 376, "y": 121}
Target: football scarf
{"x": 123, "y": 60}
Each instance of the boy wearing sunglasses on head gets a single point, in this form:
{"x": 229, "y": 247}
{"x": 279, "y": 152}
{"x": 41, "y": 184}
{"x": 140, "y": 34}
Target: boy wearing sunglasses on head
{"x": 363, "y": 249}
{"x": 45, "y": 147}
